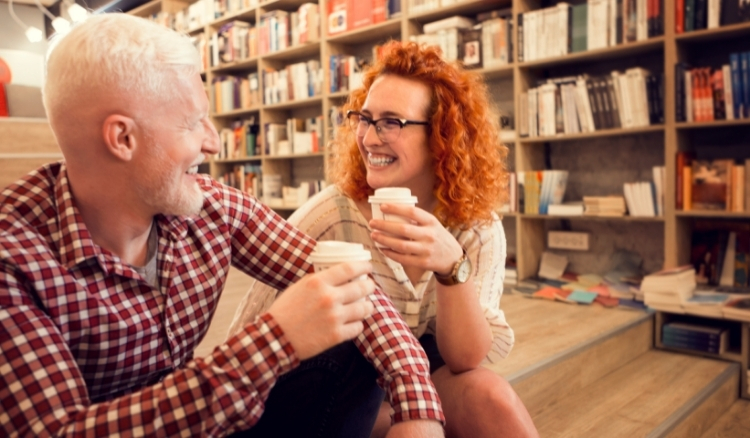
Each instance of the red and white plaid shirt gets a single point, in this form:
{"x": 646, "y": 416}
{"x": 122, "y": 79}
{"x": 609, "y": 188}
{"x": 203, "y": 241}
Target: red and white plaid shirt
{"x": 89, "y": 347}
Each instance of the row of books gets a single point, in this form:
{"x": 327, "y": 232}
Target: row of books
{"x": 240, "y": 140}
{"x": 245, "y": 178}
{"x": 345, "y": 72}
{"x": 347, "y": 15}
{"x": 296, "y": 136}
{"x": 532, "y": 192}
{"x": 706, "y": 94}
{"x": 646, "y": 198}
{"x": 276, "y": 195}
{"x": 693, "y": 15}
{"x": 234, "y": 41}
{"x": 482, "y": 42}
{"x": 278, "y": 30}
{"x": 571, "y": 105}
{"x": 194, "y": 16}
{"x": 595, "y": 24}
{"x": 236, "y": 92}
{"x": 697, "y": 337}
{"x": 721, "y": 255}
{"x": 718, "y": 185}
{"x": 294, "y": 82}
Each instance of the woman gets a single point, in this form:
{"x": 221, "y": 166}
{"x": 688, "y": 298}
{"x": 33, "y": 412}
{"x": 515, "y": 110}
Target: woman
{"x": 425, "y": 124}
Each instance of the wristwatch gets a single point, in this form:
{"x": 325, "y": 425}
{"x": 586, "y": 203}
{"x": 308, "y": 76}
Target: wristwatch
{"x": 459, "y": 274}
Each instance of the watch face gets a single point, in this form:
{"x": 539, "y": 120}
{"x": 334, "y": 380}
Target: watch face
{"x": 464, "y": 271}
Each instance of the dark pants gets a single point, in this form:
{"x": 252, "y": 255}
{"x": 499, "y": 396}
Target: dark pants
{"x": 333, "y": 394}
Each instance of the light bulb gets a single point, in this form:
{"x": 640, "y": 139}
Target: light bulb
{"x": 61, "y": 25}
{"x": 77, "y": 12}
{"x": 33, "y": 34}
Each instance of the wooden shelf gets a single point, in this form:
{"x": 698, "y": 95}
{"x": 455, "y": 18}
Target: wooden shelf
{"x": 236, "y": 66}
{"x": 369, "y": 34}
{"x": 237, "y": 160}
{"x": 242, "y": 15}
{"x": 503, "y": 71}
{"x": 597, "y": 134}
{"x": 712, "y": 124}
{"x": 624, "y": 218}
{"x": 471, "y": 7}
{"x": 338, "y": 95}
{"x": 236, "y": 113}
{"x": 707, "y": 35}
{"x": 293, "y": 156}
{"x": 620, "y": 51}
{"x": 294, "y": 53}
{"x": 147, "y": 9}
{"x": 293, "y": 104}
{"x": 713, "y": 214}
{"x": 286, "y": 5}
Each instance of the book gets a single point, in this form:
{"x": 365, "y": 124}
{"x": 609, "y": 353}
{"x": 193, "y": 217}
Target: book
{"x": 710, "y": 184}
{"x": 738, "y": 309}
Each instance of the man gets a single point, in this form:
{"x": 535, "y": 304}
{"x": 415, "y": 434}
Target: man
{"x": 112, "y": 263}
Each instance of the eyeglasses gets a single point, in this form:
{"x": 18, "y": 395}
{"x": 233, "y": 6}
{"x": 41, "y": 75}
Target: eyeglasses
{"x": 387, "y": 128}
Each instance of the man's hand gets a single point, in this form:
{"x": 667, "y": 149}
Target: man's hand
{"x": 416, "y": 429}
{"x": 323, "y": 309}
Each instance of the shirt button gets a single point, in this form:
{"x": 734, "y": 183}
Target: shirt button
{"x": 170, "y": 335}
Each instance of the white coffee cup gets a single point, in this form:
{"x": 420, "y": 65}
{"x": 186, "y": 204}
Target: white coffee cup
{"x": 391, "y": 195}
{"x": 332, "y": 252}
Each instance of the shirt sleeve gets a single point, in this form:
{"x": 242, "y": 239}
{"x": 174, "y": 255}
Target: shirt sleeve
{"x": 43, "y": 393}
{"x": 386, "y": 340}
{"x": 486, "y": 249}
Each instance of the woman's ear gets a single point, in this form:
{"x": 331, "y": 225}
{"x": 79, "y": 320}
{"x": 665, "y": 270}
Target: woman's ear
{"x": 118, "y": 134}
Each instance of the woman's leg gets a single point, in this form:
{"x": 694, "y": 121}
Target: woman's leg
{"x": 480, "y": 403}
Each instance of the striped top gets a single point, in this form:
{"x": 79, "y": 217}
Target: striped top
{"x": 331, "y": 215}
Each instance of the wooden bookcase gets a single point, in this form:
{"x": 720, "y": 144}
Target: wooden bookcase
{"x": 667, "y": 237}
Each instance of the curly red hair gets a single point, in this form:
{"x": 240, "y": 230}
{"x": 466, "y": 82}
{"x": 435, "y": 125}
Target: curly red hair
{"x": 471, "y": 176}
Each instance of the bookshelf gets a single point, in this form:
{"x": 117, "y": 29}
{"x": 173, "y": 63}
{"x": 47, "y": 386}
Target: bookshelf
{"x": 599, "y": 162}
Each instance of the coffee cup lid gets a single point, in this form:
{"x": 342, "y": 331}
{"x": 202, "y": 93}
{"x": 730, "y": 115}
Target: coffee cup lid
{"x": 398, "y": 195}
{"x": 333, "y": 251}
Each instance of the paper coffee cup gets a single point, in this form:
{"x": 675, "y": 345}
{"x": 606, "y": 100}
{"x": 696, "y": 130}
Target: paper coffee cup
{"x": 390, "y": 195}
{"x": 332, "y": 252}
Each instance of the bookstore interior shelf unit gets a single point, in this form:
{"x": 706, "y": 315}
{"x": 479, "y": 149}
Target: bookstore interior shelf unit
{"x": 615, "y": 149}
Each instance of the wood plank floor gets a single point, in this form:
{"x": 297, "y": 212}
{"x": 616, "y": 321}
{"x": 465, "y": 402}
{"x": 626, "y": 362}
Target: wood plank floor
{"x": 543, "y": 329}
{"x": 632, "y": 401}
{"x": 735, "y": 423}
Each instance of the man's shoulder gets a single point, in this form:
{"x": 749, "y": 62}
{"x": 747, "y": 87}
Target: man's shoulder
{"x": 29, "y": 203}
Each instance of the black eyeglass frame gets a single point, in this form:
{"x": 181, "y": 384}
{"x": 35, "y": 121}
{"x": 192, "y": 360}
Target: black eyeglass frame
{"x": 401, "y": 122}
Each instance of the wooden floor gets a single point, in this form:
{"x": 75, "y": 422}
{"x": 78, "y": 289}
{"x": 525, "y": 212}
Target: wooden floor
{"x": 735, "y": 423}
{"x": 543, "y": 329}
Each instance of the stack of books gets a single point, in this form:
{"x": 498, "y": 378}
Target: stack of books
{"x": 695, "y": 337}
{"x": 604, "y": 205}
{"x": 667, "y": 290}
{"x": 738, "y": 309}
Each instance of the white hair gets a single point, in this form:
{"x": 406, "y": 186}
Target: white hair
{"x": 116, "y": 53}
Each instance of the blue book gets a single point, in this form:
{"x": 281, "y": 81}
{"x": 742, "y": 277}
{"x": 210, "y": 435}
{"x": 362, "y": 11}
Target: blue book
{"x": 745, "y": 66}
{"x": 737, "y": 93}
{"x": 582, "y": 297}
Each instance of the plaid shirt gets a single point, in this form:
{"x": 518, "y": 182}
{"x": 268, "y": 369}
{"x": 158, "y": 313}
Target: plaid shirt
{"x": 88, "y": 347}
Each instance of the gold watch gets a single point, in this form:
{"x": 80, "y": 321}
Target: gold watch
{"x": 459, "y": 274}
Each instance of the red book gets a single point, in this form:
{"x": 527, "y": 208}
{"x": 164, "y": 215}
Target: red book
{"x": 379, "y": 11}
{"x": 337, "y": 16}
{"x": 359, "y": 13}
{"x": 3, "y": 102}
{"x": 684, "y": 159}
{"x": 679, "y": 17}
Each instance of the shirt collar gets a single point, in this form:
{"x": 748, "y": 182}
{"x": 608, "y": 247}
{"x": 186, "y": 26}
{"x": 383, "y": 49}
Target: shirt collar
{"x": 76, "y": 244}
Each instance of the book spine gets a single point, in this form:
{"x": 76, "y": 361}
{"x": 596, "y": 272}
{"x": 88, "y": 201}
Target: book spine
{"x": 679, "y": 16}
{"x": 519, "y": 32}
{"x": 737, "y": 94}
{"x": 745, "y": 66}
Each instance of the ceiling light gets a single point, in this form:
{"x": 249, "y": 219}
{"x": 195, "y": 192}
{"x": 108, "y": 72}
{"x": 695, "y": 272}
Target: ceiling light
{"x": 61, "y": 25}
{"x": 33, "y": 34}
{"x": 77, "y": 12}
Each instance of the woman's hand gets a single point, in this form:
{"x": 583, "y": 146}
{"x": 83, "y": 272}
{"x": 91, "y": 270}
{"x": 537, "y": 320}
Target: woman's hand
{"x": 422, "y": 243}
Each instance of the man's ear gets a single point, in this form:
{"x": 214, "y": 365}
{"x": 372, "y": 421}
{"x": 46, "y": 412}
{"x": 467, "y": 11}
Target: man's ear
{"x": 118, "y": 133}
